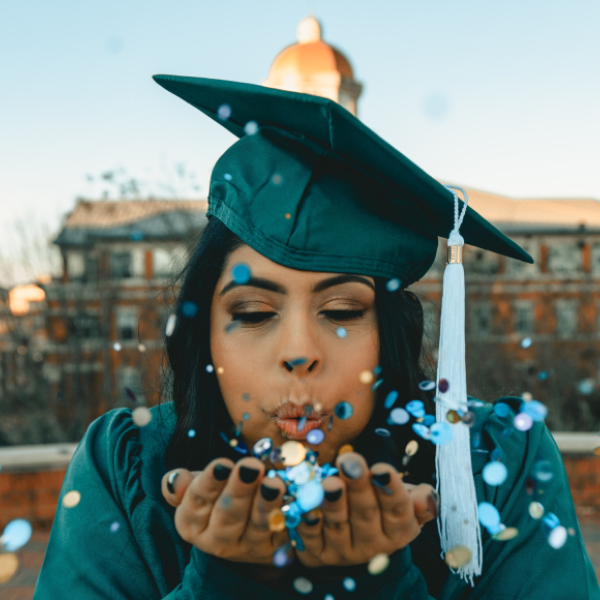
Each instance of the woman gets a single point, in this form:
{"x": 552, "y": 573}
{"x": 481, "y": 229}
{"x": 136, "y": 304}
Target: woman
{"x": 293, "y": 318}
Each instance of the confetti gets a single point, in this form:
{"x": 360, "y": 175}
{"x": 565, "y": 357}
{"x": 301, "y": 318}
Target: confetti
{"x": 276, "y": 520}
{"x": 241, "y": 274}
{"x": 399, "y": 416}
{"x": 502, "y": 410}
{"x": 536, "y": 510}
{"x": 115, "y": 526}
{"x": 246, "y": 397}
{"x": 315, "y": 436}
{"x": 377, "y": 384}
{"x": 508, "y": 533}
{"x": 557, "y": 537}
{"x": 440, "y": 433}
{"x": 71, "y": 499}
{"x": 411, "y": 448}
{"x": 209, "y": 368}
{"x": 228, "y": 177}
{"x": 586, "y": 387}
{"x": 192, "y": 433}
{"x": 457, "y": 557}
{"x": 365, "y": 377}
{"x": 536, "y": 410}
{"x": 220, "y": 370}
{"x": 16, "y": 534}
{"x": 141, "y": 348}
{"x": 170, "y": 328}
{"x": 381, "y": 431}
{"x": 141, "y": 416}
{"x": 523, "y": 422}
{"x": 526, "y": 396}
{"x": 277, "y": 179}
{"x": 288, "y": 215}
{"x": 452, "y": 416}
{"x": 427, "y": 386}
{"x": 292, "y": 453}
{"x": 542, "y": 470}
{"x": 526, "y": 342}
{"x": 345, "y": 448}
{"x": 468, "y": 418}
{"x": 343, "y": 410}
{"x": 494, "y": 473}
{"x": 303, "y": 585}
{"x": 189, "y": 309}
{"x": 416, "y": 408}
{"x": 390, "y": 399}
{"x": 130, "y": 395}
{"x": 224, "y": 112}
{"x": 378, "y": 564}
{"x": 341, "y": 332}
{"x": 251, "y": 128}
{"x": 489, "y": 516}
{"x": 349, "y": 584}
{"x": 393, "y": 285}
{"x": 422, "y": 431}
{"x": 310, "y": 495}
{"x": 281, "y": 557}
{"x": 9, "y": 564}
{"x": 443, "y": 386}
{"x": 117, "y": 346}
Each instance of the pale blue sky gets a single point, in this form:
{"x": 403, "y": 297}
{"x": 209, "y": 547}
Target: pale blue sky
{"x": 517, "y": 84}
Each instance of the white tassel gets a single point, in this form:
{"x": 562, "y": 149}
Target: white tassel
{"x": 458, "y": 521}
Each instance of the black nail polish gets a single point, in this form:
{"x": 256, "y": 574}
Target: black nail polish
{"x": 351, "y": 469}
{"x": 382, "y": 487}
{"x": 248, "y": 475}
{"x": 333, "y": 496}
{"x": 268, "y": 493}
{"x": 382, "y": 478}
{"x": 170, "y": 479}
{"x": 311, "y": 522}
{"x": 221, "y": 472}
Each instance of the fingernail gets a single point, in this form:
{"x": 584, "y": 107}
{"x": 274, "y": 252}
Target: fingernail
{"x": 248, "y": 475}
{"x": 170, "y": 480}
{"x": 436, "y": 497}
{"x": 431, "y": 506}
{"x": 221, "y": 472}
{"x": 311, "y": 522}
{"x": 352, "y": 469}
{"x": 382, "y": 478}
{"x": 333, "y": 496}
{"x": 268, "y": 493}
{"x": 381, "y": 486}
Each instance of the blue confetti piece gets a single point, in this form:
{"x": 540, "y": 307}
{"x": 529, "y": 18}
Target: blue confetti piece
{"x": 241, "y": 273}
{"x": 441, "y": 433}
{"x": 494, "y": 473}
{"x": 343, "y": 410}
{"x": 390, "y": 399}
{"x": 502, "y": 410}
{"x": 422, "y": 431}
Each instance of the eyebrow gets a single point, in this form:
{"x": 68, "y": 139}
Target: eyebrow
{"x": 271, "y": 286}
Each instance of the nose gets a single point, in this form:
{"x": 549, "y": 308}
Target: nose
{"x": 300, "y": 354}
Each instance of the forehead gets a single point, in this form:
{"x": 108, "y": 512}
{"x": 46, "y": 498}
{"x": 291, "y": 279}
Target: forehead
{"x": 261, "y": 266}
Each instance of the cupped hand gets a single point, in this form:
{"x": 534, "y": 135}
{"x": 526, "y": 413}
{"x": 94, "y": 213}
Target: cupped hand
{"x": 224, "y": 509}
{"x": 360, "y": 519}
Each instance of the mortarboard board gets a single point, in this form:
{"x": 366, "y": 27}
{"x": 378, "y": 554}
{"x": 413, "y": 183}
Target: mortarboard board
{"x": 311, "y": 187}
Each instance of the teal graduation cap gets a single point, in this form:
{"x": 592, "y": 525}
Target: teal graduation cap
{"x": 311, "y": 187}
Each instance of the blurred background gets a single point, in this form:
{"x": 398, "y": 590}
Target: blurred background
{"x": 104, "y": 180}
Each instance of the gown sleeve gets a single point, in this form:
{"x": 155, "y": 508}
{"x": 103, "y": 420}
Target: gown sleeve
{"x": 526, "y": 567}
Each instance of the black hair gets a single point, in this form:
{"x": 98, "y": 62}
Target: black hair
{"x": 196, "y": 397}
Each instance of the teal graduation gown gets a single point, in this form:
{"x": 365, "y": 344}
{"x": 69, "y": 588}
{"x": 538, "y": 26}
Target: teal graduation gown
{"x": 120, "y": 541}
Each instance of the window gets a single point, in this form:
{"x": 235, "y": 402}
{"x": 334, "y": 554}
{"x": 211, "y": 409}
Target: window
{"x": 91, "y": 268}
{"x": 524, "y": 317}
{"x": 596, "y": 259}
{"x": 564, "y": 258}
{"x": 75, "y": 266}
{"x": 120, "y": 265}
{"x": 480, "y": 318}
{"x": 85, "y": 326}
{"x": 127, "y": 321}
{"x": 168, "y": 261}
{"x": 131, "y": 378}
{"x": 566, "y": 317}
{"x": 480, "y": 261}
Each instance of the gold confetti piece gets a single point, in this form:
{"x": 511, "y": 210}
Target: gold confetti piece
{"x": 142, "y": 348}
{"x": 508, "y": 533}
{"x": 597, "y": 451}
{"x": 452, "y": 416}
{"x": 412, "y": 447}
{"x": 527, "y": 396}
{"x": 71, "y": 499}
{"x": 378, "y": 564}
{"x": 220, "y": 370}
{"x": 457, "y": 557}
{"x": 276, "y": 520}
{"x": 9, "y": 563}
{"x": 366, "y": 377}
{"x": 536, "y": 510}
{"x": 141, "y": 416}
{"x": 288, "y": 216}
{"x": 345, "y": 448}
{"x": 292, "y": 453}
{"x": 233, "y": 442}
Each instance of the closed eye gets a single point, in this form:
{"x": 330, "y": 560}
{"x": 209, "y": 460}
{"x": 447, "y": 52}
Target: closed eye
{"x": 252, "y": 317}
{"x": 343, "y": 315}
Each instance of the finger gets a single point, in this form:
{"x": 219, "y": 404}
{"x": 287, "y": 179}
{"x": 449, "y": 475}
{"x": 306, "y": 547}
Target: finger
{"x": 231, "y": 514}
{"x": 201, "y": 495}
{"x": 175, "y": 483}
{"x": 335, "y": 531}
{"x": 268, "y": 498}
{"x": 395, "y": 501}
{"x": 364, "y": 512}
{"x": 425, "y": 502}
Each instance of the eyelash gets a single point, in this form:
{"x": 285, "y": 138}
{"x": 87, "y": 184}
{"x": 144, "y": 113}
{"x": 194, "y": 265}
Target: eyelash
{"x": 261, "y": 316}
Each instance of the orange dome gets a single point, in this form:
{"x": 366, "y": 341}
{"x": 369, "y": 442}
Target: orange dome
{"x": 310, "y": 56}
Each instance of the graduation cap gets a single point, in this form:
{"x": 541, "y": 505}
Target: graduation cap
{"x": 311, "y": 187}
